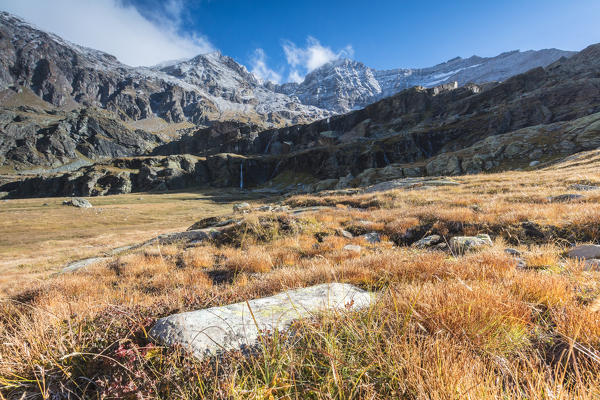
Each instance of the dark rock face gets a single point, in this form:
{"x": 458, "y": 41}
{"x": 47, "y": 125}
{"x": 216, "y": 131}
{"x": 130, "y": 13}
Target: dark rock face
{"x": 145, "y": 174}
{"x": 44, "y": 139}
{"x": 542, "y": 113}
{"x": 220, "y": 137}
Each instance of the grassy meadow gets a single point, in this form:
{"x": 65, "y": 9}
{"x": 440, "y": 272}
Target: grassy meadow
{"x": 446, "y": 325}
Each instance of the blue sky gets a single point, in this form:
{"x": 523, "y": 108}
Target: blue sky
{"x": 283, "y": 40}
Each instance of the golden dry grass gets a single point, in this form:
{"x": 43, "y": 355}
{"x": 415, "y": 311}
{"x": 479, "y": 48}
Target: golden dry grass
{"x": 39, "y": 236}
{"x": 471, "y": 326}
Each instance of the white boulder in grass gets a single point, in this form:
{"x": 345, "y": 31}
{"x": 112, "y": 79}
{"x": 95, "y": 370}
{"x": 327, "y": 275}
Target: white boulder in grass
{"x": 461, "y": 244}
{"x": 585, "y": 252}
{"x": 237, "y": 326}
{"x": 78, "y": 202}
{"x": 241, "y": 207}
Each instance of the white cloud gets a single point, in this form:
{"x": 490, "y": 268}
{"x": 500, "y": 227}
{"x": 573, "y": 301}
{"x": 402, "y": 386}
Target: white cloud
{"x": 295, "y": 76}
{"x": 311, "y": 57}
{"x": 260, "y": 69}
{"x": 116, "y": 28}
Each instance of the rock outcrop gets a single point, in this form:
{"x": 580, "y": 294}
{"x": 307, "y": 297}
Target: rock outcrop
{"x": 585, "y": 252}
{"x": 143, "y": 174}
{"x": 44, "y": 139}
{"x": 240, "y": 325}
{"x": 462, "y": 244}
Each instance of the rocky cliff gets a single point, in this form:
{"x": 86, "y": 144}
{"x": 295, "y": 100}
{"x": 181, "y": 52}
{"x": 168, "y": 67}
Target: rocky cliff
{"x": 33, "y": 137}
{"x": 542, "y": 115}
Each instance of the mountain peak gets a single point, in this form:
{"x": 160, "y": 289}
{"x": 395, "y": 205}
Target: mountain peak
{"x": 345, "y": 84}
{"x": 207, "y": 88}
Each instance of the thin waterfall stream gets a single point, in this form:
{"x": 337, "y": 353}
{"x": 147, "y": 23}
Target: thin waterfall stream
{"x": 242, "y": 175}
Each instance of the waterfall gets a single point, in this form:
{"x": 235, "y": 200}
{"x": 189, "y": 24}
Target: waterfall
{"x": 242, "y": 175}
{"x": 386, "y": 159}
{"x": 271, "y": 139}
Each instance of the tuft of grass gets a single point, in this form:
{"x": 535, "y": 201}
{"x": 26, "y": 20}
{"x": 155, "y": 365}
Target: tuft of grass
{"x": 251, "y": 259}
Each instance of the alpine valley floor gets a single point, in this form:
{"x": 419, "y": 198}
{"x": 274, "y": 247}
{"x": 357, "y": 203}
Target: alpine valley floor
{"x": 516, "y": 318}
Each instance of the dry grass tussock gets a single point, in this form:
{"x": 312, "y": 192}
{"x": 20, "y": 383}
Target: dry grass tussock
{"x": 446, "y": 326}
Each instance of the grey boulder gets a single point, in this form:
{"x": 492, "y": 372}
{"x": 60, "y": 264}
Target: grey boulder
{"x": 427, "y": 241}
{"x": 565, "y": 198}
{"x": 241, "y": 207}
{"x": 585, "y": 188}
{"x": 346, "y": 234}
{"x": 512, "y": 252}
{"x": 461, "y": 244}
{"x": 77, "y": 202}
{"x": 77, "y": 265}
{"x": 585, "y": 252}
{"x": 353, "y": 248}
{"x": 372, "y": 237}
{"x": 195, "y": 236}
{"x": 238, "y": 326}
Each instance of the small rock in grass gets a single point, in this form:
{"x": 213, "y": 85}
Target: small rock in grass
{"x": 461, "y": 244}
{"x": 77, "y": 202}
{"x": 513, "y": 252}
{"x": 427, "y": 241}
{"x": 346, "y": 234}
{"x": 241, "y": 207}
{"x": 353, "y": 248}
{"x": 534, "y": 163}
{"x": 585, "y": 188}
{"x": 585, "y": 252}
{"x": 565, "y": 198}
{"x": 441, "y": 246}
{"x": 521, "y": 264}
{"x": 372, "y": 237}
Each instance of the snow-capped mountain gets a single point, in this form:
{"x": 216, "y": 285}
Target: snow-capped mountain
{"x": 214, "y": 87}
{"x": 343, "y": 85}
{"x": 338, "y": 86}
{"x": 203, "y": 89}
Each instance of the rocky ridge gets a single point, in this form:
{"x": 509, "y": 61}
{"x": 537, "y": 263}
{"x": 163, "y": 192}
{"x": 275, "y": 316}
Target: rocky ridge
{"x": 207, "y": 88}
{"x": 543, "y": 115}
{"x": 344, "y": 85}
